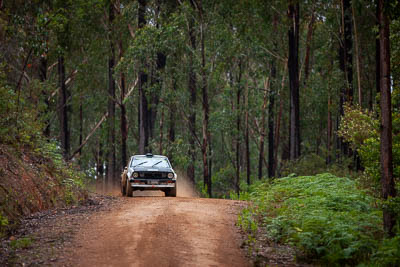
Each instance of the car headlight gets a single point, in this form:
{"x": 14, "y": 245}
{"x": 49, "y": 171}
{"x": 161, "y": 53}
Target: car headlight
{"x": 170, "y": 175}
{"x": 135, "y": 175}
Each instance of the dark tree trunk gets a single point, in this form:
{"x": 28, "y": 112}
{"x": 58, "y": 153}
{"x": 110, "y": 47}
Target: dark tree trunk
{"x": 111, "y": 103}
{"x": 329, "y": 131}
{"x": 124, "y": 123}
{"x": 80, "y": 124}
{"x": 347, "y": 49}
{"x": 387, "y": 180}
{"x": 246, "y": 135}
{"x": 308, "y": 45}
{"x": 143, "y": 105}
{"x": 271, "y": 115}
{"x": 63, "y": 112}
{"x": 171, "y": 129}
{"x": 206, "y": 107}
{"x": 294, "y": 133}
{"x": 192, "y": 103}
{"x": 43, "y": 78}
{"x": 238, "y": 111}
{"x": 100, "y": 161}
{"x": 262, "y": 130}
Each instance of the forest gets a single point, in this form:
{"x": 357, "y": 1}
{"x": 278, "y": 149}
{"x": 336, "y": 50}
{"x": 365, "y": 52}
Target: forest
{"x": 236, "y": 93}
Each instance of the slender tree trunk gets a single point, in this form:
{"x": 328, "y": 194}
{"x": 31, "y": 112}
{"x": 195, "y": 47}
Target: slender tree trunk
{"x": 246, "y": 134}
{"x": 80, "y": 124}
{"x": 192, "y": 102}
{"x": 206, "y": 108}
{"x": 387, "y": 180}
{"x": 329, "y": 131}
{"x": 271, "y": 115}
{"x": 293, "y": 12}
{"x": 262, "y": 135}
{"x": 278, "y": 121}
{"x": 308, "y": 44}
{"x": 63, "y": 112}
{"x": 143, "y": 105}
{"x": 43, "y": 78}
{"x": 358, "y": 56}
{"x": 111, "y": 160}
{"x": 160, "y": 148}
{"x": 238, "y": 111}
{"x": 124, "y": 123}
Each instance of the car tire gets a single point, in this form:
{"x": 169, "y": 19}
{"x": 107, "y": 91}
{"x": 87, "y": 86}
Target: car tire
{"x": 171, "y": 192}
{"x": 129, "y": 189}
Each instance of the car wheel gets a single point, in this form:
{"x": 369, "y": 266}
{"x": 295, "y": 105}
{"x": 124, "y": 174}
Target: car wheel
{"x": 171, "y": 192}
{"x": 129, "y": 190}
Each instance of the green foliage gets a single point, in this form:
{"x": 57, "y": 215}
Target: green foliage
{"x": 360, "y": 129}
{"x": 21, "y": 243}
{"x": 326, "y": 217}
{"x": 311, "y": 164}
{"x": 357, "y": 125}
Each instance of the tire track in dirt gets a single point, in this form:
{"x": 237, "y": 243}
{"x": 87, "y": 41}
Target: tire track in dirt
{"x": 159, "y": 231}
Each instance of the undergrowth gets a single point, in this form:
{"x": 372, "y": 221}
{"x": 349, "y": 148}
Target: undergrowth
{"x": 327, "y": 218}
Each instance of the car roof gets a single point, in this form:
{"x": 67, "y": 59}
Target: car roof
{"x": 147, "y": 156}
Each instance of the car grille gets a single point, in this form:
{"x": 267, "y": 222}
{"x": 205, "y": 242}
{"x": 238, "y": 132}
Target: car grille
{"x": 152, "y": 175}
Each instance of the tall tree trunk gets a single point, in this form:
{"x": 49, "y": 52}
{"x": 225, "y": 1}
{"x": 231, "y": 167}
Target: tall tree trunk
{"x": 63, "y": 112}
{"x": 192, "y": 102}
{"x": 124, "y": 122}
{"x": 171, "y": 129}
{"x": 160, "y": 148}
{"x": 271, "y": 115}
{"x": 329, "y": 131}
{"x": 143, "y": 106}
{"x": 387, "y": 180}
{"x": 206, "y": 108}
{"x": 111, "y": 102}
{"x": 246, "y": 134}
{"x": 278, "y": 121}
{"x": 43, "y": 78}
{"x": 308, "y": 44}
{"x": 348, "y": 47}
{"x": 238, "y": 111}
{"x": 293, "y": 65}
{"x": 80, "y": 124}
{"x": 262, "y": 132}
{"x": 358, "y": 57}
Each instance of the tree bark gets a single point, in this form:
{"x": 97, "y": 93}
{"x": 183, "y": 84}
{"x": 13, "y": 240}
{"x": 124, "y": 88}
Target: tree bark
{"x": 192, "y": 81}
{"x": 238, "y": 111}
{"x": 329, "y": 131}
{"x": 63, "y": 112}
{"x": 43, "y": 78}
{"x": 262, "y": 130}
{"x": 111, "y": 160}
{"x": 308, "y": 44}
{"x": 206, "y": 108}
{"x": 124, "y": 123}
{"x": 387, "y": 180}
{"x": 246, "y": 134}
{"x": 358, "y": 56}
{"x": 294, "y": 136}
{"x": 143, "y": 105}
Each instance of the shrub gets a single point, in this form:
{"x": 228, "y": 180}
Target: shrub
{"x": 326, "y": 217}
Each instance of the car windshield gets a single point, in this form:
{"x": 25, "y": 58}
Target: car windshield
{"x": 150, "y": 162}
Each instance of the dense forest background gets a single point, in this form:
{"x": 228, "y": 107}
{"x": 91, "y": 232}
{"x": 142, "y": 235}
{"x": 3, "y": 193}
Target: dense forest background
{"x": 231, "y": 91}
{"x": 235, "y": 93}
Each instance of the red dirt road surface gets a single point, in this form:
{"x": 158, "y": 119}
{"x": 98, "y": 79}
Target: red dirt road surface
{"x": 161, "y": 231}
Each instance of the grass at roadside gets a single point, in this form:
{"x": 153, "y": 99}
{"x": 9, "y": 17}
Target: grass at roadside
{"x": 327, "y": 219}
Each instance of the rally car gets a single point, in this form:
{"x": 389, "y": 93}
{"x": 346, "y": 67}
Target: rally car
{"x": 148, "y": 172}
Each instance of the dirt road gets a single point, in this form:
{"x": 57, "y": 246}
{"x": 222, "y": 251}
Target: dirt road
{"x": 160, "y": 231}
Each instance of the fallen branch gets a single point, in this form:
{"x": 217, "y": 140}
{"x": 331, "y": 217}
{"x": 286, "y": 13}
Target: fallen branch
{"x": 89, "y": 135}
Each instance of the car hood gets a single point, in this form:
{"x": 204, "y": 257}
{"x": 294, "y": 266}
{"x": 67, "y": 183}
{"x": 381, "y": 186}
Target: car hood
{"x": 151, "y": 169}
